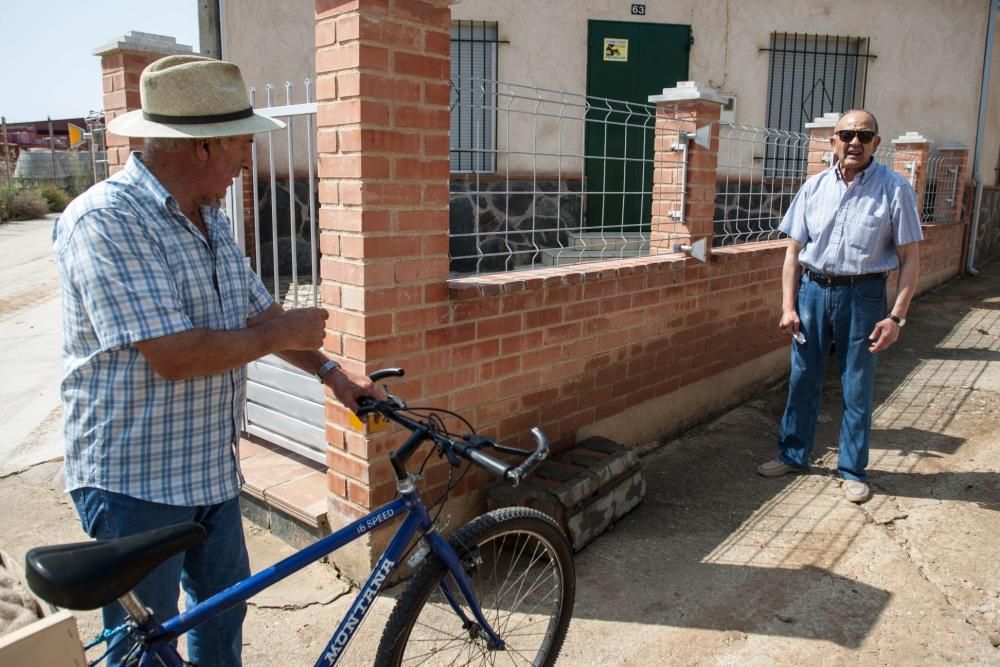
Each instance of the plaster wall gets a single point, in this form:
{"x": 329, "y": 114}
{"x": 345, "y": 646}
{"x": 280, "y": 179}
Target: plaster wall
{"x": 925, "y": 77}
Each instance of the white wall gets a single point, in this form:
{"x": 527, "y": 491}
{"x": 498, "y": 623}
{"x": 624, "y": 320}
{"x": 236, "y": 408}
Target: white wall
{"x": 926, "y": 75}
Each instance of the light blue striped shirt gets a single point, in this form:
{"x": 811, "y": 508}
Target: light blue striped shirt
{"x": 133, "y": 268}
{"x": 852, "y": 230}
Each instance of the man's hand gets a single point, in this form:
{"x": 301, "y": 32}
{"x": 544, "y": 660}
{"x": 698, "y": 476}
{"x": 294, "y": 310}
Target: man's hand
{"x": 884, "y": 335}
{"x": 301, "y": 328}
{"x": 348, "y": 387}
{"x": 789, "y": 323}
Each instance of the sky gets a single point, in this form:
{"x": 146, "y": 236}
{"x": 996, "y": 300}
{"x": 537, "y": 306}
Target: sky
{"x": 49, "y": 69}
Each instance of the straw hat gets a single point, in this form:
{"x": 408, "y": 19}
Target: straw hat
{"x": 192, "y": 97}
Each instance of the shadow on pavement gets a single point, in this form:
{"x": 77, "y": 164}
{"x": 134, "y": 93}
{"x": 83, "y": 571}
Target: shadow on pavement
{"x": 714, "y": 546}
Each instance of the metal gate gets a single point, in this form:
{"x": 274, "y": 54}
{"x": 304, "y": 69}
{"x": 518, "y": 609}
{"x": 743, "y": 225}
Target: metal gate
{"x": 279, "y": 234}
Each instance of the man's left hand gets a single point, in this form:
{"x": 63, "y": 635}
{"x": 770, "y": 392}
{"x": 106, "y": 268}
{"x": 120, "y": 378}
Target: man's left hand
{"x": 348, "y": 387}
{"x": 885, "y": 334}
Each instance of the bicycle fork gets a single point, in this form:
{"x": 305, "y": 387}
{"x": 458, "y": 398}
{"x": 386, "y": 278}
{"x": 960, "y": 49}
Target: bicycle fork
{"x": 444, "y": 551}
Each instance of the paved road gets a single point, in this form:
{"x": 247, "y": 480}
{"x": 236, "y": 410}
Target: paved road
{"x": 30, "y": 412}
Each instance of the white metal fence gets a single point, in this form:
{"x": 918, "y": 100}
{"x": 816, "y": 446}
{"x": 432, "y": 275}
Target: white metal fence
{"x": 942, "y": 202}
{"x": 284, "y": 405}
{"x": 286, "y": 245}
{"x": 760, "y": 171}
{"x": 571, "y": 179}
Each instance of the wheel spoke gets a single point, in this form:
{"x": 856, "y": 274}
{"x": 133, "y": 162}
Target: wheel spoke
{"x": 520, "y": 568}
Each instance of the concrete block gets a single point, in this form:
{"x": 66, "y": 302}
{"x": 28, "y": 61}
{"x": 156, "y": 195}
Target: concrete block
{"x": 585, "y": 489}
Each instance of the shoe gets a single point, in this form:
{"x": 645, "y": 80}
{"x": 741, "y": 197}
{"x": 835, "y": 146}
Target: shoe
{"x": 776, "y": 468}
{"x": 856, "y": 492}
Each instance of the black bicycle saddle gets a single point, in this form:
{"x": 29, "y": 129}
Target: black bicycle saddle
{"x": 89, "y": 575}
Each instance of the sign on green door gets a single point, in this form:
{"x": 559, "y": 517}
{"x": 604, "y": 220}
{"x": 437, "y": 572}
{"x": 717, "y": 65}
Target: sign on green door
{"x": 626, "y": 62}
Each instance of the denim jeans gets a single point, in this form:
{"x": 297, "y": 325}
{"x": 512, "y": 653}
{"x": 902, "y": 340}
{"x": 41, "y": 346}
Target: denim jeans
{"x": 203, "y": 571}
{"x": 843, "y": 316}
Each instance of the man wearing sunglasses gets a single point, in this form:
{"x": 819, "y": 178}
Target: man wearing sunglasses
{"x": 847, "y": 228}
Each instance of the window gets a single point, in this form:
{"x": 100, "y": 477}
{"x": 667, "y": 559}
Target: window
{"x": 473, "y": 96}
{"x": 811, "y": 75}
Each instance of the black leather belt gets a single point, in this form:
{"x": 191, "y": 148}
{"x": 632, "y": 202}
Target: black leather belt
{"x": 827, "y": 281}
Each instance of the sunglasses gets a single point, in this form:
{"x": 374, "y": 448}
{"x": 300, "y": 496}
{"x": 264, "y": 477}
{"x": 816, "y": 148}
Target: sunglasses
{"x": 847, "y": 136}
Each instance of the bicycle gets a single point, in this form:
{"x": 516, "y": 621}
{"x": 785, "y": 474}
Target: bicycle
{"x": 504, "y": 582}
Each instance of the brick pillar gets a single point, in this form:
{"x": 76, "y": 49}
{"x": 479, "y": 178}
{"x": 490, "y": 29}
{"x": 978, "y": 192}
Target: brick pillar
{"x": 820, "y": 152}
{"x": 910, "y": 162}
{"x": 684, "y": 199}
{"x": 952, "y": 175}
{"x": 382, "y": 133}
{"x": 122, "y": 62}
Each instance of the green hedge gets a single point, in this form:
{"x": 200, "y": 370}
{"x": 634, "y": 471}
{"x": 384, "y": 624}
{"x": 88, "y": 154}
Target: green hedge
{"x": 28, "y": 204}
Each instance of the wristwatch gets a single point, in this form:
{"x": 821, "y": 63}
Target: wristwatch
{"x": 327, "y": 366}
{"x": 901, "y": 321}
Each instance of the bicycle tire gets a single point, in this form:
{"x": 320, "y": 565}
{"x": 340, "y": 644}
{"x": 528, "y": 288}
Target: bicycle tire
{"x": 532, "y": 550}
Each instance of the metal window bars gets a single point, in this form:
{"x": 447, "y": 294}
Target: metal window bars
{"x": 810, "y": 75}
{"x": 473, "y": 57}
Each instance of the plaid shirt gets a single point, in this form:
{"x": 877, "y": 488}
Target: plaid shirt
{"x": 853, "y": 230}
{"x": 133, "y": 268}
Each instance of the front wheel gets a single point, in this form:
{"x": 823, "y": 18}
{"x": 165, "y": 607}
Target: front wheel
{"x": 521, "y": 568}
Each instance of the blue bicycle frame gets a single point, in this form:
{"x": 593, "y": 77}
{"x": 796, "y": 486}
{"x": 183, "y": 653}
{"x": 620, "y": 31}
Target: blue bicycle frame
{"x": 158, "y": 638}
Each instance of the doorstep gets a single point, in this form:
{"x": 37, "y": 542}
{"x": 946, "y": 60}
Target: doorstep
{"x": 284, "y": 492}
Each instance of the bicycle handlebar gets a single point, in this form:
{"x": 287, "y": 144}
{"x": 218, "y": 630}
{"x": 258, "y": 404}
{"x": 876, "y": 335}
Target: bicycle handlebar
{"x": 536, "y": 457}
{"x": 468, "y": 447}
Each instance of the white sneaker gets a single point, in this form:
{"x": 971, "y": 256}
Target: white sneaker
{"x": 856, "y": 492}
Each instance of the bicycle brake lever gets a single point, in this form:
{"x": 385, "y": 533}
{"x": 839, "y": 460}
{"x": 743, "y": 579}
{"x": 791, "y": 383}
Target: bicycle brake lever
{"x": 396, "y": 401}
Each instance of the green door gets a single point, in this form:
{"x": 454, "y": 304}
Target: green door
{"x": 626, "y": 62}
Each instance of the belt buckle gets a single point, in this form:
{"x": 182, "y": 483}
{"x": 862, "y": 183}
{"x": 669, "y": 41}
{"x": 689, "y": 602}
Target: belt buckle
{"x": 822, "y": 279}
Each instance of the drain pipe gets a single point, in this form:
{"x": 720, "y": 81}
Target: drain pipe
{"x": 983, "y": 97}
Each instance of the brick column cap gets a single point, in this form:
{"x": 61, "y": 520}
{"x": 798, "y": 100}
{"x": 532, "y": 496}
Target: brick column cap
{"x": 826, "y": 120}
{"x": 912, "y": 138}
{"x": 953, "y": 146}
{"x": 687, "y": 91}
{"x": 144, "y": 42}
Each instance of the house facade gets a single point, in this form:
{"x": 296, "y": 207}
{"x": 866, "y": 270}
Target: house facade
{"x": 430, "y": 193}
{"x": 916, "y": 64}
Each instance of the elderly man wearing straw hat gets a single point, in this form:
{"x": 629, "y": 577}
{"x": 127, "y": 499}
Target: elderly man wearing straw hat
{"x": 161, "y": 314}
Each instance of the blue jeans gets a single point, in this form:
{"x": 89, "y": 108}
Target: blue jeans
{"x": 843, "y": 316}
{"x": 203, "y": 571}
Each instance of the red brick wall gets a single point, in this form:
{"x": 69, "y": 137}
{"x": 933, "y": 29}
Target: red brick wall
{"x": 570, "y": 346}
{"x": 566, "y": 347}
{"x": 120, "y": 74}
{"x": 940, "y": 254}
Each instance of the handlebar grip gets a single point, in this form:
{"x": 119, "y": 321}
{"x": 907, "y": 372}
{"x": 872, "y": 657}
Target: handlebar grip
{"x": 386, "y": 373}
{"x": 488, "y": 463}
{"x": 516, "y": 475}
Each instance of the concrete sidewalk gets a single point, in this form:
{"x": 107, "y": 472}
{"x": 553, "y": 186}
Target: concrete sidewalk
{"x": 30, "y": 412}
{"x": 720, "y": 566}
